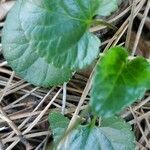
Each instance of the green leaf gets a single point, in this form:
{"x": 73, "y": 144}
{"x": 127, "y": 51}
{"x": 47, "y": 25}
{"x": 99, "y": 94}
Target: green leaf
{"x": 57, "y": 30}
{"x": 114, "y": 134}
{"x": 58, "y": 124}
{"x": 107, "y": 7}
{"x": 118, "y": 82}
{"x": 22, "y": 56}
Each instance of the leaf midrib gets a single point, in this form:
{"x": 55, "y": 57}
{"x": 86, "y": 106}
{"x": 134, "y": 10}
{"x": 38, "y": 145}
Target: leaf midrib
{"x": 117, "y": 77}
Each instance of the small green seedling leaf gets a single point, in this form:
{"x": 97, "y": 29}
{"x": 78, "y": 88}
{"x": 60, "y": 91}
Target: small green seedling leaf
{"x": 114, "y": 134}
{"x": 58, "y": 124}
{"x": 107, "y": 7}
{"x": 118, "y": 82}
{"x": 21, "y": 54}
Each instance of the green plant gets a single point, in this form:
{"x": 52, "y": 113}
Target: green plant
{"x": 111, "y": 133}
{"x": 44, "y": 41}
{"x": 117, "y": 83}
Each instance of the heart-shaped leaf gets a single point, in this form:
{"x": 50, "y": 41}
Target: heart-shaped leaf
{"x": 107, "y": 7}
{"x": 58, "y": 30}
{"x": 118, "y": 82}
{"x": 114, "y": 134}
{"x": 22, "y": 56}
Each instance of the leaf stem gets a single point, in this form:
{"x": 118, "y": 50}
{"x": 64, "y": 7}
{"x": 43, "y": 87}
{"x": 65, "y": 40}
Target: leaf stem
{"x": 104, "y": 23}
{"x": 93, "y": 121}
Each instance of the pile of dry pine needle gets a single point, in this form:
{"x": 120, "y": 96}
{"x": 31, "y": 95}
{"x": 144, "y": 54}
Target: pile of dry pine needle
{"x": 24, "y": 108}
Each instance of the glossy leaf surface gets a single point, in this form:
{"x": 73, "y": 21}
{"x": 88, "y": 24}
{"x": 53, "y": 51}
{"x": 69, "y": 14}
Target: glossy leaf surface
{"x": 118, "y": 82}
